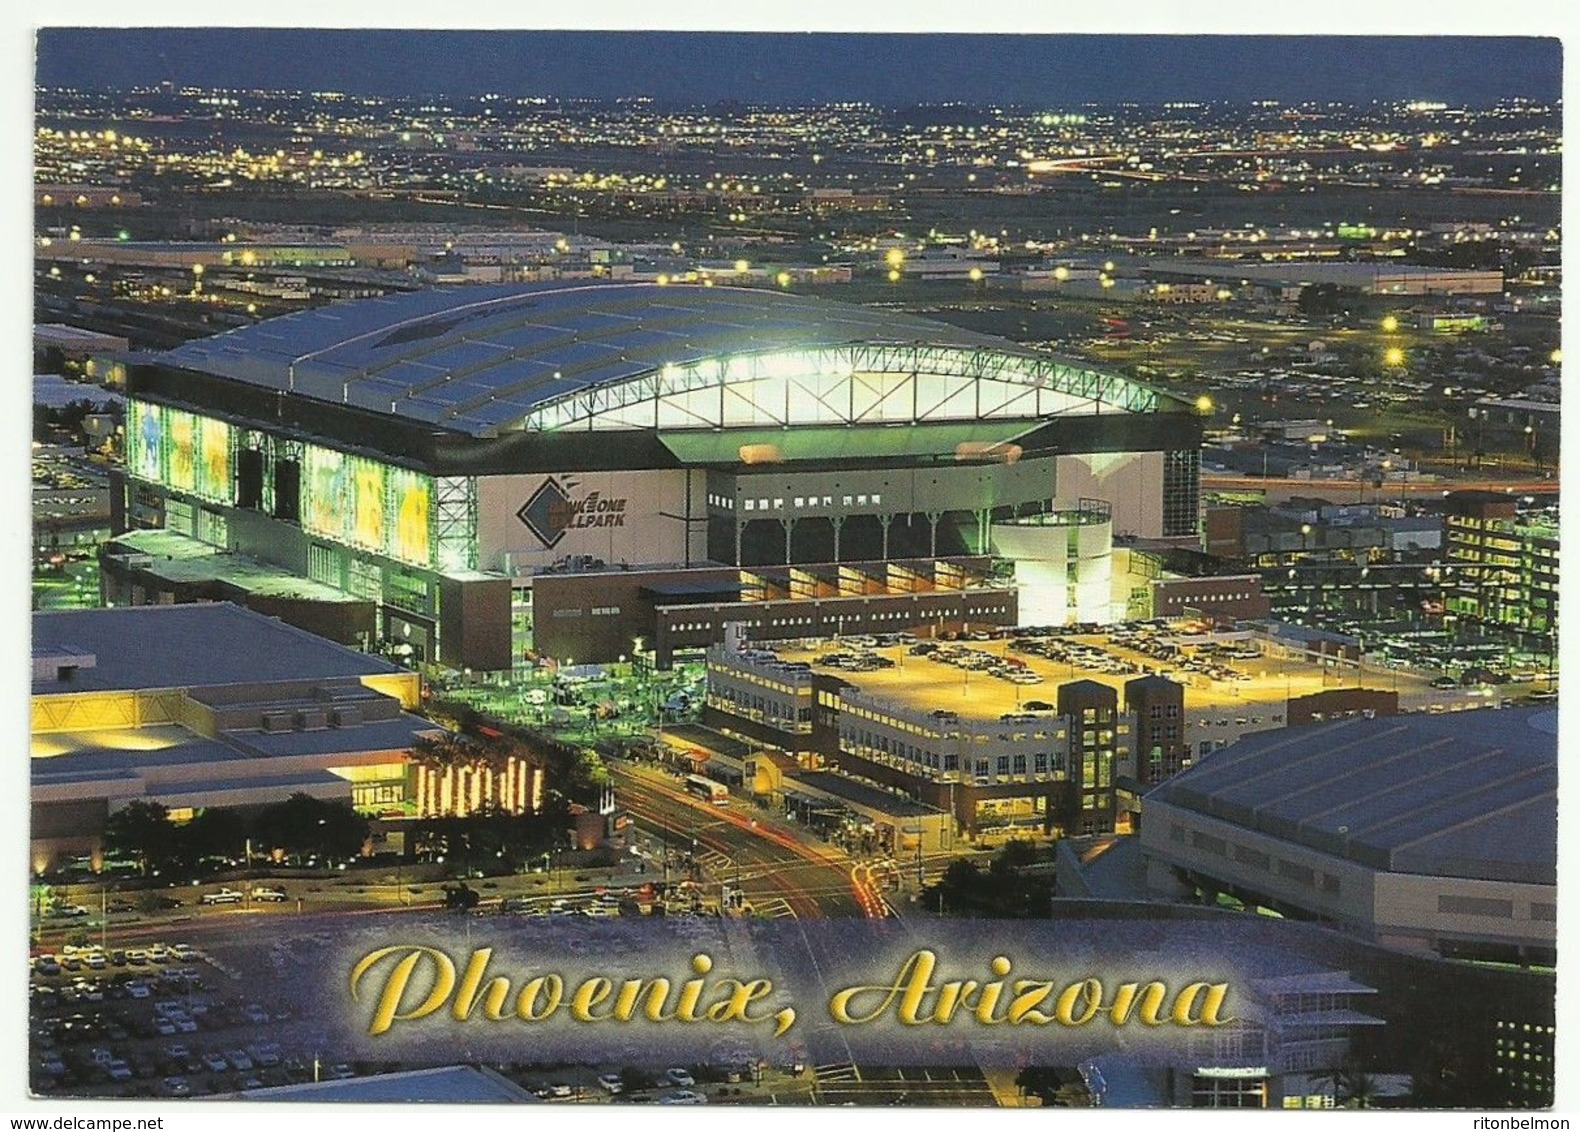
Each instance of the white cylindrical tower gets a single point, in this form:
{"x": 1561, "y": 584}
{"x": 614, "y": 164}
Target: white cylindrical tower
{"x": 1063, "y": 563}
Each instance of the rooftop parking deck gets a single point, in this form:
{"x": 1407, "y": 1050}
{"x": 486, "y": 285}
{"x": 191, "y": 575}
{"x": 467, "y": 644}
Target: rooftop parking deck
{"x": 998, "y": 675}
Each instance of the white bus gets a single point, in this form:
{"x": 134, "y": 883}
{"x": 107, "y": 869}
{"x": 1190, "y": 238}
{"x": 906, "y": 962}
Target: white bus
{"x": 708, "y": 790}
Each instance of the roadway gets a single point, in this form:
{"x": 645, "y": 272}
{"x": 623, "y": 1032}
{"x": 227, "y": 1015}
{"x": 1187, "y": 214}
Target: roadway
{"x": 927, "y": 1085}
{"x": 779, "y": 871}
{"x": 782, "y": 872}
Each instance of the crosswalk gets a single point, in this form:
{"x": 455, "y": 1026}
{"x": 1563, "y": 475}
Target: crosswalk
{"x": 835, "y": 1074}
{"x": 843, "y": 1083}
{"x": 774, "y": 907}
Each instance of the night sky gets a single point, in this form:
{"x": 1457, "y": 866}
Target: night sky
{"x": 888, "y": 69}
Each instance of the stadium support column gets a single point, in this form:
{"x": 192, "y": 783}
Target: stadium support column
{"x": 838, "y": 521}
{"x": 789, "y": 527}
{"x": 884, "y": 521}
{"x": 932, "y": 532}
{"x": 739, "y": 526}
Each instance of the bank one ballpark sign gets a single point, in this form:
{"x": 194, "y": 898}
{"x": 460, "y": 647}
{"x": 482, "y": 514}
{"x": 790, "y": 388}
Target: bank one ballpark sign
{"x": 553, "y": 510}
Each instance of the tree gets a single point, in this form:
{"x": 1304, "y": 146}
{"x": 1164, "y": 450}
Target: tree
{"x": 305, "y": 826}
{"x": 142, "y": 830}
{"x": 214, "y": 832}
{"x": 1016, "y": 855}
{"x": 1001, "y": 891}
{"x": 1352, "y": 1086}
{"x": 1358, "y": 1089}
{"x": 490, "y": 837}
{"x": 959, "y": 881}
{"x": 1321, "y": 299}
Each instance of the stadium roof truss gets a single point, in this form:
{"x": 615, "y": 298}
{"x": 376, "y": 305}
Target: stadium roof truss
{"x": 848, "y": 384}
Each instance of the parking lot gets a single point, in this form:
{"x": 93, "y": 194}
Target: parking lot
{"x": 157, "y": 1020}
{"x": 994, "y": 673}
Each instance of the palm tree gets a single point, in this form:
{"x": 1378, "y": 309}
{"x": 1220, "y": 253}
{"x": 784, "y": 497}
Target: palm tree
{"x": 1352, "y": 1086}
{"x": 1356, "y": 1089}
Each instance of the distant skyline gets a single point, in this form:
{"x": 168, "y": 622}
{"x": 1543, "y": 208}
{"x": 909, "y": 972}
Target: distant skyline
{"x": 790, "y": 69}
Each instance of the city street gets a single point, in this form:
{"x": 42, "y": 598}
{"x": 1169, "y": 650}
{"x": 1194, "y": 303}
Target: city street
{"x": 776, "y": 868}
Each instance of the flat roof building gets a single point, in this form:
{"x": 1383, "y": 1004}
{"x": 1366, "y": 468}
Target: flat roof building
{"x": 204, "y": 705}
{"x": 1429, "y": 832}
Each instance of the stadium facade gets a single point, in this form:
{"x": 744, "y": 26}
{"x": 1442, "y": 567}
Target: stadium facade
{"x": 589, "y": 470}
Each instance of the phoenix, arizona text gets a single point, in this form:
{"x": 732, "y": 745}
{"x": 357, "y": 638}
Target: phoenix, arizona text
{"x": 408, "y": 983}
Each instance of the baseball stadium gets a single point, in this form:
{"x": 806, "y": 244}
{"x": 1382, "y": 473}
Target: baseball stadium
{"x": 583, "y": 470}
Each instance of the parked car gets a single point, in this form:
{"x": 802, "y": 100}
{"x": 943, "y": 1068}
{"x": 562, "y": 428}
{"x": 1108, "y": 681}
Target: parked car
{"x": 223, "y": 896}
{"x": 680, "y": 1077}
{"x": 269, "y": 895}
{"x": 683, "y": 1096}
